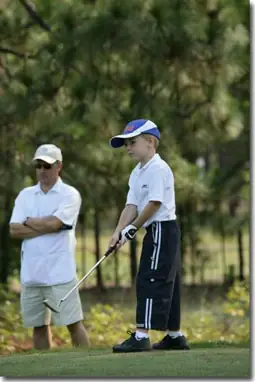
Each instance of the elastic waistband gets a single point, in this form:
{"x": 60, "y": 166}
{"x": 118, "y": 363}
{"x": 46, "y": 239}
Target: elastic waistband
{"x": 164, "y": 222}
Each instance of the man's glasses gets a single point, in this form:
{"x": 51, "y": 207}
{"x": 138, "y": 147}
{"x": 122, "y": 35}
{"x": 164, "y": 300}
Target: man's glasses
{"x": 46, "y": 166}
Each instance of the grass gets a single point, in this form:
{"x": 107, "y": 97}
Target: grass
{"x": 206, "y": 362}
{"x": 203, "y": 319}
{"x": 219, "y": 341}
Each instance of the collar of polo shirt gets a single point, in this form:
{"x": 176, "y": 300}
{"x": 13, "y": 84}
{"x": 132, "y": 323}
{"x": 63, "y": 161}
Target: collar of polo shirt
{"x": 55, "y": 188}
{"x": 155, "y": 157}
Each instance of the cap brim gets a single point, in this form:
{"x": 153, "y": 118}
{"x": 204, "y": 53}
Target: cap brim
{"x": 45, "y": 158}
{"x": 119, "y": 140}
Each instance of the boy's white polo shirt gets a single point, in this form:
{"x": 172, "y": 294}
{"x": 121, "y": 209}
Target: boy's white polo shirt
{"x": 48, "y": 259}
{"x": 153, "y": 182}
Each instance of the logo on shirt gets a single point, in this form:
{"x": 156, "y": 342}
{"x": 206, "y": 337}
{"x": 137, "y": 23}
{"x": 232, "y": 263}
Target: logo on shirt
{"x": 145, "y": 186}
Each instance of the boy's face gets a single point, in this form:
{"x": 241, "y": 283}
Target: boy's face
{"x": 138, "y": 147}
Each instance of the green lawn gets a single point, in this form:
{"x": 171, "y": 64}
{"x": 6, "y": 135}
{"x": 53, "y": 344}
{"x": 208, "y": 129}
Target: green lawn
{"x": 212, "y": 362}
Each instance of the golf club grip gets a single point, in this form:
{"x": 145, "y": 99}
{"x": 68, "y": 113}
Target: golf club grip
{"x": 111, "y": 249}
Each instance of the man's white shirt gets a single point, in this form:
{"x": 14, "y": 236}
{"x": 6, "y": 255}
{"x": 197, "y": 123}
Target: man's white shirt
{"x": 48, "y": 259}
{"x": 153, "y": 182}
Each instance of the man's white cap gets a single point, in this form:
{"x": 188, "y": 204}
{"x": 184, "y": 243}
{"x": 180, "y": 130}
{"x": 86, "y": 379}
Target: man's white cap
{"x": 48, "y": 153}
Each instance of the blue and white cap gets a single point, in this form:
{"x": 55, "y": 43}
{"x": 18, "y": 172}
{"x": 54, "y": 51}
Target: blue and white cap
{"x": 133, "y": 129}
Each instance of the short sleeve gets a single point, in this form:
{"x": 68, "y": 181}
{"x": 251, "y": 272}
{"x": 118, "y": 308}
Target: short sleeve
{"x": 156, "y": 186}
{"x": 69, "y": 208}
{"x": 19, "y": 210}
{"x": 131, "y": 197}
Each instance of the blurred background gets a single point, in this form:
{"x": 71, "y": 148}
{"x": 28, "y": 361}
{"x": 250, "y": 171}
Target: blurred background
{"x": 73, "y": 74}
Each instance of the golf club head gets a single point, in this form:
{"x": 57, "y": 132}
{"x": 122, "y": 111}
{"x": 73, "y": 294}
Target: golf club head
{"x": 50, "y": 306}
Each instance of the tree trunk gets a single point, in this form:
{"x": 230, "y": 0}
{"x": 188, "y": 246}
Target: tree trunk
{"x": 182, "y": 243}
{"x": 223, "y": 253}
{"x": 5, "y": 244}
{"x": 97, "y": 248}
{"x": 192, "y": 243}
{"x": 133, "y": 260}
{"x": 116, "y": 254}
{"x": 5, "y": 251}
{"x": 82, "y": 221}
{"x": 116, "y": 269}
{"x": 240, "y": 254}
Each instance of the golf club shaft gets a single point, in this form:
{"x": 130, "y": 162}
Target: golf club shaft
{"x": 83, "y": 278}
{"x": 107, "y": 253}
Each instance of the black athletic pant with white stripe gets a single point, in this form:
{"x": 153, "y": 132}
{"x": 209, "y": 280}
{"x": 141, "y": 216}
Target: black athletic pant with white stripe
{"x": 158, "y": 278}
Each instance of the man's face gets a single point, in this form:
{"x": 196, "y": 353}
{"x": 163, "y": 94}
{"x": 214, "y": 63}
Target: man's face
{"x": 47, "y": 173}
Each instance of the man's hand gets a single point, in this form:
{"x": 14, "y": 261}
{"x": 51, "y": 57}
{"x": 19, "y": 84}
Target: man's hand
{"x": 45, "y": 224}
{"x": 20, "y": 231}
{"x": 128, "y": 233}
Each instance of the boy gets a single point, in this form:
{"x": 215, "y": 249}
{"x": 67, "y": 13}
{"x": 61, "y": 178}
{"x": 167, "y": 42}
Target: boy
{"x": 151, "y": 204}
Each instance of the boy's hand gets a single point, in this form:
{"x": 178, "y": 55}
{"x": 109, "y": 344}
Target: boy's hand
{"x": 128, "y": 233}
{"x": 114, "y": 240}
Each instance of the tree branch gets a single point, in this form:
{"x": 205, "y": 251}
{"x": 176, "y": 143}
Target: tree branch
{"x": 35, "y": 16}
{"x": 192, "y": 110}
{"x": 15, "y": 53}
{"x": 29, "y": 24}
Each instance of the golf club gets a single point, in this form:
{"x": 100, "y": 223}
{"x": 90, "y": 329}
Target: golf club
{"x": 56, "y": 308}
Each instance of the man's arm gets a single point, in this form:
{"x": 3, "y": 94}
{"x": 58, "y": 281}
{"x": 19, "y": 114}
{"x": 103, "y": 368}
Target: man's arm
{"x": 148, "y": 211}
{"x": 46, "y": 224}
{"x": 63, "y": 218}
{"x": 20, "y": 231}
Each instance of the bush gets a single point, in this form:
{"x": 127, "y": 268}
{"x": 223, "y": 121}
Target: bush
{"x": 238, "y": 300}
{"x": 108, "y": 324}
{"x": 13, "y": 337}
{"x": 236, "y": 311}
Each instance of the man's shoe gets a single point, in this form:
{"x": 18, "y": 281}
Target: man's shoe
{"x": 171, "y": 343}
{"x": 132, "y": 345}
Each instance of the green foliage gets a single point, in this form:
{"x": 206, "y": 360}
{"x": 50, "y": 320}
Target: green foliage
{"x": 238, "y": 300}
{"x": 74, "y": 75}
{"x": 107, "y": 324}
{"x": 12, "y": 336}
{"x": 228, "y": 323}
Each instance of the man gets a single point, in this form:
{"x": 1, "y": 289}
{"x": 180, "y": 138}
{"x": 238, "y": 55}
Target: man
{"x": 151, "y": 204}
{"x": 45, "y": 217}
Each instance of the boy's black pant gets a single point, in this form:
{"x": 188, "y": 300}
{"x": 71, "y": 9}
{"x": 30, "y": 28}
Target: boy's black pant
{"x": 158, "y": 278}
